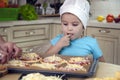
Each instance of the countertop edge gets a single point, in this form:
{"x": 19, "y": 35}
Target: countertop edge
{"x": 56, "y": 20}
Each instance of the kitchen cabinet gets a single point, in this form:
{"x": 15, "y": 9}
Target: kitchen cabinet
{"x": 109, "y": 41}
{"x": 3, "y": 33}
{"x": 55, "y": 30}
{"x": 27, "y": 36}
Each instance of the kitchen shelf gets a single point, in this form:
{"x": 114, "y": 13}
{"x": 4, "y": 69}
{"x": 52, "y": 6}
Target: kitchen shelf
{"x": 53, "y": 15}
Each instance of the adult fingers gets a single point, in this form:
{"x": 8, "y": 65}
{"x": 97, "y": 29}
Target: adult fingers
{"x": 3, "y": 57}
{"x": 4, "y": 48}
{"x": 17, "y": 51}
{"x": 10, "y": 47}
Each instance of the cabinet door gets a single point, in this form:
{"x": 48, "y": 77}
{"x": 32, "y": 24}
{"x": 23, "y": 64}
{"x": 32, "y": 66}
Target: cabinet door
{"x": 109, "y": 48}
{"x": 28, "y": 46}
{"x": 108, "y": 41}
{"x": 27, "y": 36}
{"x": 55, "y": 29}
{"x": 28, "y": 33}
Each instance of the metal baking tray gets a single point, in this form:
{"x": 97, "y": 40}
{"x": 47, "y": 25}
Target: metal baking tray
{"x": 90, "y": 72}
{"x": 63, "y": 76}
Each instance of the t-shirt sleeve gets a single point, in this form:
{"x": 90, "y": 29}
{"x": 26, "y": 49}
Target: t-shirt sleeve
{"x": 55, "y": 40}
{"x": 97, "y": 52}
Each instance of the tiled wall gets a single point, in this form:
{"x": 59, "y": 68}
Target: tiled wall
{"x": 105, "y": 7}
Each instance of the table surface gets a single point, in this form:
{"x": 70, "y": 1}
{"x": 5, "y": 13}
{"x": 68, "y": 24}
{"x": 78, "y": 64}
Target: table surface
{"x": 103, "y": 70}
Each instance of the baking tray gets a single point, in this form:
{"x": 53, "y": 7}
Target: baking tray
{"x": 90, "y": 72}
{"x": 63, "y": 76}
{"x": 2, "y": 73}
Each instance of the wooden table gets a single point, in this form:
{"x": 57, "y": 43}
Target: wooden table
{"x": 103, "y": 70}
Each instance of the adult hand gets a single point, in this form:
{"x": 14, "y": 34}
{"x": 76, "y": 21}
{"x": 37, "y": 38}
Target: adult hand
{"x": 4, "y": 57}
{"x": 12, "y": 50}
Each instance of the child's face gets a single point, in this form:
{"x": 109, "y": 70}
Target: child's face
{"x": 71, "y": 25}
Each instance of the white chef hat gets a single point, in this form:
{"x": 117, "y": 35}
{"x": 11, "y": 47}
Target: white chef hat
{"x": 79, "y": 8}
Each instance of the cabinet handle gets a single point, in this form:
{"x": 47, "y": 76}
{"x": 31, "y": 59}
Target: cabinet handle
{"x": 28, "y": 33}
{"x": 104, "y": 31}
{"x": 32, "y": 32}
{"x": 29, "y": 50}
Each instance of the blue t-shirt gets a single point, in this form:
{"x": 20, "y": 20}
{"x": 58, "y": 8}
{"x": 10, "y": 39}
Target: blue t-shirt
{"x": 80, "y": 47}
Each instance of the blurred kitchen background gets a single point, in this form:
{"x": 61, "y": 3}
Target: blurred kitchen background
{"x": 98, "y": 7}
{"x": 37, "y": 27}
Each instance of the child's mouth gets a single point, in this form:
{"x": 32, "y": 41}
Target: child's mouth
{"x": 70, "y": 34}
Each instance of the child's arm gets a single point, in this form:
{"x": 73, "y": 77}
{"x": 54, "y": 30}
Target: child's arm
{"x": 53, "y": 50}
{"x": 101, "y": 59}
{"x": 64, "y": 41}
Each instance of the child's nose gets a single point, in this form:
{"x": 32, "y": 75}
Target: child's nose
{"x": 70, "y": 28}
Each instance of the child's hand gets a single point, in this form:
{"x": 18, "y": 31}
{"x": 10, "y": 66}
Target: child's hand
{"x": 64, "y": 41}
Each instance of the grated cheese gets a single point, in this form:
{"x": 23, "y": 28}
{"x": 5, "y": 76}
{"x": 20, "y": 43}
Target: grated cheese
{"x": 38, "y": 76}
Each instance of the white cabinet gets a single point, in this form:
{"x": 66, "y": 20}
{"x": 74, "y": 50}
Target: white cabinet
{"x": 26, "y": 36}
{"x": 28, "y": 33}
{"x": 55, "y": 30}
{"x": 109, "y": 41}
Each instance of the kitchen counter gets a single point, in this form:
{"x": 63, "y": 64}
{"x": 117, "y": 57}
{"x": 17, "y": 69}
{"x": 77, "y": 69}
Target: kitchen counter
{"x": 91, "y": 23}
{"x": 103, "y": 70}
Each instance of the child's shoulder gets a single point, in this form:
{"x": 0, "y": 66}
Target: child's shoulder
{"x": 89, "y": 39}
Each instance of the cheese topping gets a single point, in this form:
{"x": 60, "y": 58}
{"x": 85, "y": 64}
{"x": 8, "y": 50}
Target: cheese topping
{"x": 76, "y": 59}
{"x": 38, "y": 76}
{"x": 16, "y": 63}
{"x": 51, "y": 59}
{"x": 30, "y": 56}
{"x": 79, "y": 60}
{"x": 73, "y": 67}
{"x": 44, "y": 65}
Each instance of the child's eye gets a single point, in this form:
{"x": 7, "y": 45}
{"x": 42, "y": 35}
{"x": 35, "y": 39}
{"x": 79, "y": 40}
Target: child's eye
{"x": 65, "y": 24}
{"x": 75, "y": 24}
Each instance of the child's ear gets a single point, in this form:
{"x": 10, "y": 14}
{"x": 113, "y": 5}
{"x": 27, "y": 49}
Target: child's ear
{"x": 83, "y": 27}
